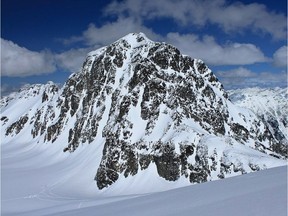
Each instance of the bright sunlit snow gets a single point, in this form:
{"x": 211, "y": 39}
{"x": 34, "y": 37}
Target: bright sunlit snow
{"x": 37, "y": 182}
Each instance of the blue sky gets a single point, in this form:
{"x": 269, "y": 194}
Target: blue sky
{"x": 243, "y": 42}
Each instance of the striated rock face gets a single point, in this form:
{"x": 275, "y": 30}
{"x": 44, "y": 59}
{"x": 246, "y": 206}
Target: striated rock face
{"x": 150, "y": 106}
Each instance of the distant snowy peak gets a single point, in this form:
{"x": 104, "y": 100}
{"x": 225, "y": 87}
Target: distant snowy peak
{"x": 25, "y": 104}
{"x": 31, "y": 90}
{"x": 269, "y": 104}
{"x": 150, "y": 108}
{"x": 276, "y": 96}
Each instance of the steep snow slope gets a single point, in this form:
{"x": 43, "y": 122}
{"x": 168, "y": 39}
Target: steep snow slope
{"x": 138, "y": 108}
{"x": 269, "y": 104}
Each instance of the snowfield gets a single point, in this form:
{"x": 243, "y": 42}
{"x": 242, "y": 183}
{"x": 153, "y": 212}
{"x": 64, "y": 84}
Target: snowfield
{"x": 262, "y": 193}
{"x": 38, "y": 180}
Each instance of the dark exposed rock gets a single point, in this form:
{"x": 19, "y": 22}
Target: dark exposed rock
{"x": 17, "y": 126}
{"x": 4, "y": 119}
{"x": 168, "y": 162}
{"x": 241, "y": 133}
{"x": 144, "y": 161}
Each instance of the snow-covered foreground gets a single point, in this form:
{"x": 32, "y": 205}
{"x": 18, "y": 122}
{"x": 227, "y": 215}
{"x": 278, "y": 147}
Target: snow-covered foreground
{"x": 258, "y": 194}
{"x": 262, "y": 193}
{"x": 41, "y": 180}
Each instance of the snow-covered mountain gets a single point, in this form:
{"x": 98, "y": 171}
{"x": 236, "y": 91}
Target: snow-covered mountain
{"x": 270, "y": 105}
{"x": 141, "y": 108}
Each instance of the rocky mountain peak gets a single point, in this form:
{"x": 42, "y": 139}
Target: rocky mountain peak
{"x": 148, "y": 105}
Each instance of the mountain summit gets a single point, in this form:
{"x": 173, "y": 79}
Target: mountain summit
{"x": 149, "y": 108}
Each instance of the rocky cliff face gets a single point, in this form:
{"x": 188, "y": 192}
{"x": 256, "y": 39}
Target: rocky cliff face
{"x": 150, "y": 106}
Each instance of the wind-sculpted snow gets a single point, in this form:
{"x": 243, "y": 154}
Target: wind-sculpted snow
{"x": 147, "y": 106}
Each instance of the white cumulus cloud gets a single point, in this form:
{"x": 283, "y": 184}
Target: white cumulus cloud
{"x": 237, "y": 72}
{"x": 242, "y": 77}
{"x": 280, "y": 57}
{"x": 72, "y": 59}
{"x": 110, "y": 32}
{"x": 19, "y": 61}
{"x": 212, "y": 53}
{"x": 228, "y": 16}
